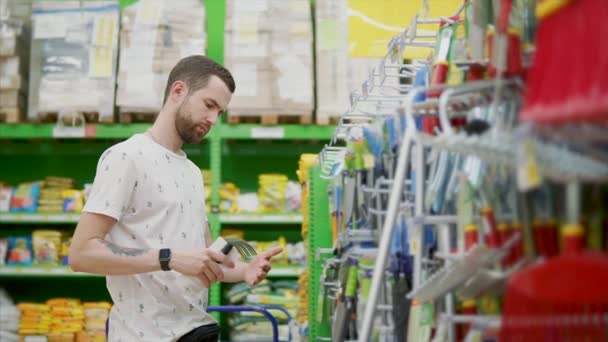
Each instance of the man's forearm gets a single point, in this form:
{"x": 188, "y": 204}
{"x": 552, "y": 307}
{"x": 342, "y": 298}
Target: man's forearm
{"x": 236, "y": 274}
{"x": 103, "y": 257}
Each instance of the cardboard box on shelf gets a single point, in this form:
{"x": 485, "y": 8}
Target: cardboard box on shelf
{"x": 155, "y": 35}
{"x": 270, "y": 41}
{"x": 254, "y": 48}
{"x": 73, "y": 57}
{"x": 14, "y": 53}
{"x": 11, "y": 73}
{"x": 254, "y": 90}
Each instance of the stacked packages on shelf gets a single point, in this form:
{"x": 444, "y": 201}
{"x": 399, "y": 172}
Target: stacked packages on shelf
{"x": 13, "y": 61}
{"x": 64, "y": 319}
{"x": 276, "y": 194}
{"x": 154, "y": 36}
{"x": 268, "y": 48}
{"x": 52, "y": 195}
{"x": 338, "y": 73}
{"x": 74, "y": 50}
{"x": 42, "y": 247}
{"x": 251, "y": 326}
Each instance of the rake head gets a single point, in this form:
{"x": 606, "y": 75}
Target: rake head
{"x": 245, "y": 249}
{"x": 234, "y": 247}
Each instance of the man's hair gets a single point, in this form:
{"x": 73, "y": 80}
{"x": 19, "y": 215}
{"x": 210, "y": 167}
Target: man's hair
{"x": 195, "y": 71}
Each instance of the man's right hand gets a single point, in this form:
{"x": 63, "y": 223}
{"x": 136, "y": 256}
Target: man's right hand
{"x": 203, "y": 264}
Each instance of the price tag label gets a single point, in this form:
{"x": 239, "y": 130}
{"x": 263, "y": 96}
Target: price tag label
{"x": 69, "y": 132}
{"x": 267, "y": 132}
{"x": 31, "y": 217}
{"x": 528, "y": 173}
{"x": 8, "y": 217}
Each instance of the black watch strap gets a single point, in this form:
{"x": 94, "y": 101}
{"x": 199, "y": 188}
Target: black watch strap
{"x": 164, "y": 256}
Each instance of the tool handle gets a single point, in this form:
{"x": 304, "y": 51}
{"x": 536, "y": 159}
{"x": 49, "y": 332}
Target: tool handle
{"x": 223, "y": 246}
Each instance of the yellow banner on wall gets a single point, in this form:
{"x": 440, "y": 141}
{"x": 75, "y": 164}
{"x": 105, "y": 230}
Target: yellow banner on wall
{"x": 371, "y": 24}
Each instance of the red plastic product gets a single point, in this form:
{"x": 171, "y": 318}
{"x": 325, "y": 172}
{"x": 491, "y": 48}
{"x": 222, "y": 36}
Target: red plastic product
{"x": 562, "y": 299}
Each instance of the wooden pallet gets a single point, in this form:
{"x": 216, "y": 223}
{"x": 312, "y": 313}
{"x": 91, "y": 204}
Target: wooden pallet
{"x": 129, "y": 117}
{"x": 11, "y": 115}
{"x": 90, "y": 117}
{"x": 327, "y": 120}
{"x": 270, "y": 119}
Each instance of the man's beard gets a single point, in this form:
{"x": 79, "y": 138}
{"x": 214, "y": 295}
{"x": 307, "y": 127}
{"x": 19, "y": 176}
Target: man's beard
{"x": 184, "y": 126}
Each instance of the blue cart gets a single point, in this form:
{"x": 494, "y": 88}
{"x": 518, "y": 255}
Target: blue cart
{"x": 264, "y": 310}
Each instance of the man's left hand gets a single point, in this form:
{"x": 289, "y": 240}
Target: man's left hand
{"x": 259, "y": 266}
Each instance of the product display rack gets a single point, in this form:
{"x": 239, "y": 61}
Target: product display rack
{"x": 319, "y": 242}
{"x": 36, "y": 146}
{"x": 444, "y": 230}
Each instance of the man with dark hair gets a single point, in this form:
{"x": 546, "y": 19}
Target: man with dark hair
{"x": 144, "y": 224}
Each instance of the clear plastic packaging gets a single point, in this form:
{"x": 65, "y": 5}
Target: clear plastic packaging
{"x": 73, "y": 57}
{"x": 155, "y": 35}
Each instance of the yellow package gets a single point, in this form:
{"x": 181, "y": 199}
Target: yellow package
{"x": 69, "y": 302}
{"x": 73, "y": 200}
{"x": 271, "y": 192}
{"x": 33, "y": 307}
{"x": 97, "y": 305}
{"x": 229, "y": 194}
{"x": 46, "y": 244}
{"x": 206, "y": 176}
{"x": 59, "y": 311}
{"x": 65, "y": 251}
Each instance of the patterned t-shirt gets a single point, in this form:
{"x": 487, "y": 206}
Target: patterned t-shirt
{"x": 157, "y": 196}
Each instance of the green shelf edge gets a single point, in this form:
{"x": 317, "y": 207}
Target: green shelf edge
{"x": 260, "y": 218}
{"x": 69, "y": 218}
{"x": 223, "y": 131}
{"x": 278, "y": 132}
{"x": 64, "y": 271}
{"x": 42, "y": 272}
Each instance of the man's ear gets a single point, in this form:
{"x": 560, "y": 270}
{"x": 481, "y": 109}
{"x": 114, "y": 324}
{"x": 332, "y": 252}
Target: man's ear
{"x": 179, "y": 90}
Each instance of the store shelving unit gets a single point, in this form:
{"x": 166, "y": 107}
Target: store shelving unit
{"x": 49, "y": 149}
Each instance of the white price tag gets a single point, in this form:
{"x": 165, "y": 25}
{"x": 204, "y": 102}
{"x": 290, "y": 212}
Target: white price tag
{"x": 69, "y": 132}
{"x": 31, "y": 217}
{"x": 8, "y": 217}
{"x": 267, "y": 132}
{"x": 35, "y": 339}
{"x": 58, "y": 218}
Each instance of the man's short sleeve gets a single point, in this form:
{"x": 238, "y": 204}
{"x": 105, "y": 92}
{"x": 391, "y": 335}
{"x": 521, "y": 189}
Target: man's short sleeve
{"x": 114, "y": 182}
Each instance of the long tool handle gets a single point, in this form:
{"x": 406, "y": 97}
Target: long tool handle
{"x": 387, "y": 234}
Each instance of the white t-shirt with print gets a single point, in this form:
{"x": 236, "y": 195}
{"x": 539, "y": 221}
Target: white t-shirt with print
{"x": 157, "y": 196}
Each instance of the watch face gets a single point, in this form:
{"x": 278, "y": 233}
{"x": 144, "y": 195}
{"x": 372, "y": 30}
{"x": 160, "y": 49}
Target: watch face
{"x": 164, "y": 257}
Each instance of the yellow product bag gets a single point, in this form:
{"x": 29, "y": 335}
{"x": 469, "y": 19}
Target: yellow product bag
{"x": 71, "y": 302}
{"x": 73, "y": 201}
{"x": 97, "y": 305}
{"x": 33, "y": 307}
{"x": 46, "y": 244}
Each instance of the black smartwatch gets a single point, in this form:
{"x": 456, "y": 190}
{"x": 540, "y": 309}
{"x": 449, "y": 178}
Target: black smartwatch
{"x": 164, "y": 256}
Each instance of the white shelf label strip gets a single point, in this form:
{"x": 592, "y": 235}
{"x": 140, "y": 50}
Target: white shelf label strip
{"x": 261, "y": 218}
{"x": 267, "y": 133}
{"x": 39, "y": 217}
